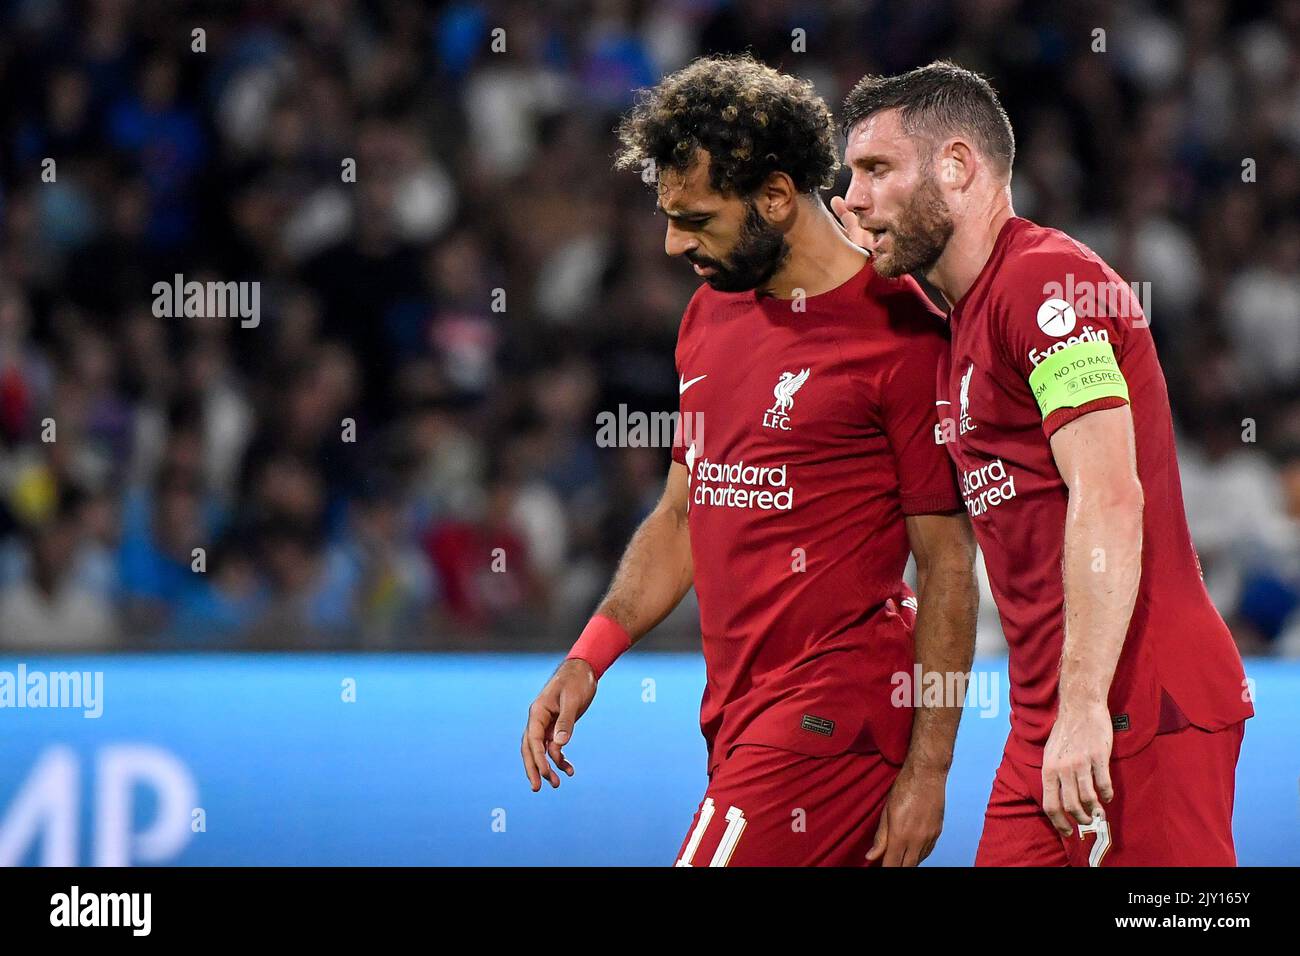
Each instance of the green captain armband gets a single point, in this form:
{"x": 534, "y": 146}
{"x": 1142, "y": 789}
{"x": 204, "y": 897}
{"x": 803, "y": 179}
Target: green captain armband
{"x": 1077, "y": 375}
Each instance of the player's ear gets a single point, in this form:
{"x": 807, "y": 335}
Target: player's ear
{"x": 776, "y": 197}
{"x": 956, "y": 164}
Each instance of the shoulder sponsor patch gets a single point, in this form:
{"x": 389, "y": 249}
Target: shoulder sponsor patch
{"x": 1056, "y": 317}
{"x": 1077, "y": 375}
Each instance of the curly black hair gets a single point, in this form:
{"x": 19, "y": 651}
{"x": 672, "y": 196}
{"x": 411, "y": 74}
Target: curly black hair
{"x": 751, "y": 120}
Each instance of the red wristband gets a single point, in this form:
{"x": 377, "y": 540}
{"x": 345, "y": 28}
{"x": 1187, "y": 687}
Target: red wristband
{"x": 600, "y": 643}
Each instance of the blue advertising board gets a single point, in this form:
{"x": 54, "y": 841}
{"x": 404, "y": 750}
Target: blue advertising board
{"x": 414, "y": 760}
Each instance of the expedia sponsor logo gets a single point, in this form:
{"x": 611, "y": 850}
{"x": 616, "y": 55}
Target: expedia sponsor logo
{"x": 739, "y": 485}
{"x": 987, "y": 487}
{"x": 1087, "y": 334}
{"x": 1056, "y": 317}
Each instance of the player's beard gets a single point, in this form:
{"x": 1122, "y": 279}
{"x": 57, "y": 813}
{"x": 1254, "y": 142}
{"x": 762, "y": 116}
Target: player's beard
{"x": 920, "y": 233}
{"x": 758, "y": 253}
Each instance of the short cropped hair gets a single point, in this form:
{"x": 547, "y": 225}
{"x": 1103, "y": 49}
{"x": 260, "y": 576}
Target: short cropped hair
{"x": 937, "y": 101}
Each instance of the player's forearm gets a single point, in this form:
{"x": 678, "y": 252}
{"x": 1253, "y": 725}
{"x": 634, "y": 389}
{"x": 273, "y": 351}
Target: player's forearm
{"x": 1102, "y": 569}
{"x": 947, "y": 607}
{"x": 653, "y": 575}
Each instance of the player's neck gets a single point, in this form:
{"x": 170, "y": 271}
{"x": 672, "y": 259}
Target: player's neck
{"x": 973, "y": 237}
{"x": 821, "y": 256}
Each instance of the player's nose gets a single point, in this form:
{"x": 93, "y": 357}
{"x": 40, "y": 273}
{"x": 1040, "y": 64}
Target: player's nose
{"x": 677, "y": 243}
{"x": 858, "y": 196}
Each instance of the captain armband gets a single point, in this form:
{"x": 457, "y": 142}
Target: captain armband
{"x": 1077, "y": 375}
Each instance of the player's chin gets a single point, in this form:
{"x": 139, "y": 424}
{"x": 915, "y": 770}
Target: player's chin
{"x": 727, "y": 282}
{"x": 886, "y": 265}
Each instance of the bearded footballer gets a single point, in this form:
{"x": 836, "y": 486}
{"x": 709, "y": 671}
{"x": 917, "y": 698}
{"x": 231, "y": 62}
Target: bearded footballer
{"x": 1128, "y": 695}
{"x": 793, "y": 509}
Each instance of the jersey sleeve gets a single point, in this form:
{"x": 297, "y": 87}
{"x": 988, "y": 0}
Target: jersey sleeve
{"x": 679, "y": 435}
{"x": 679, "y": 423}
{"x": 682, "y": 427}
{"x": 1064, "y": 320}
{"x": 926, "y": 479}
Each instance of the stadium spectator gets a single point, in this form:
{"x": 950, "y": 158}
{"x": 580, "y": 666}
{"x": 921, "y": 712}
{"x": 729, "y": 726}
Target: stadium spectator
{"x": 48, "y": 605}
{"x": 454, "y": 283}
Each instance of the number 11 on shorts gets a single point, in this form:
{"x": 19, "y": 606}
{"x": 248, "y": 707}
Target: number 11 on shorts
{"x": 730, "y": 837}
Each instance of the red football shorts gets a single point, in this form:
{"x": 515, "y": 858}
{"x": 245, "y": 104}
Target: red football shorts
{"x": 1172, "y": 807}
{"x": 770, "y": 807}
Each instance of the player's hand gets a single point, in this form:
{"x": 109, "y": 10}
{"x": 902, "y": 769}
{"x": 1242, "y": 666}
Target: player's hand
{"x": 849, "y": 222}
{"x": 913, "y": 817}
{"x": 564, "y": 699}
{"x": 1076, "y": 765}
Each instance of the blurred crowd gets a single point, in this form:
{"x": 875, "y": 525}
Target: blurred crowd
{"x": 401, "y": 452}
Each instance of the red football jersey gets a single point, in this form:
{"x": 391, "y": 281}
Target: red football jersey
{"x": 807, "y": 431}
{"x": 1044, "y": 300}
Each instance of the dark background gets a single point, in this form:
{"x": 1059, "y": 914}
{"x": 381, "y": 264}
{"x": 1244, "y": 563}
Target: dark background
{"x": 477, "y": 171}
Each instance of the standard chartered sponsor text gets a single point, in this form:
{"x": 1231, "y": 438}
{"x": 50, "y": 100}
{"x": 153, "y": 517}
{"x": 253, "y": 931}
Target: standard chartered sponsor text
{"x": 738, "y": 485}
{"x": 987, "y": 487}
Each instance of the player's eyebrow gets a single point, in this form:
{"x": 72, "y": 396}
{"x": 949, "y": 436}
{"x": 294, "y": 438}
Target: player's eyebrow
{"x": 680, "y": 214}
{"x": 866, "y": 162}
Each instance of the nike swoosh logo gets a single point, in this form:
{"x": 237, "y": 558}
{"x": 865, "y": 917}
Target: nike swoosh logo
{"x": 683, "y": 385}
